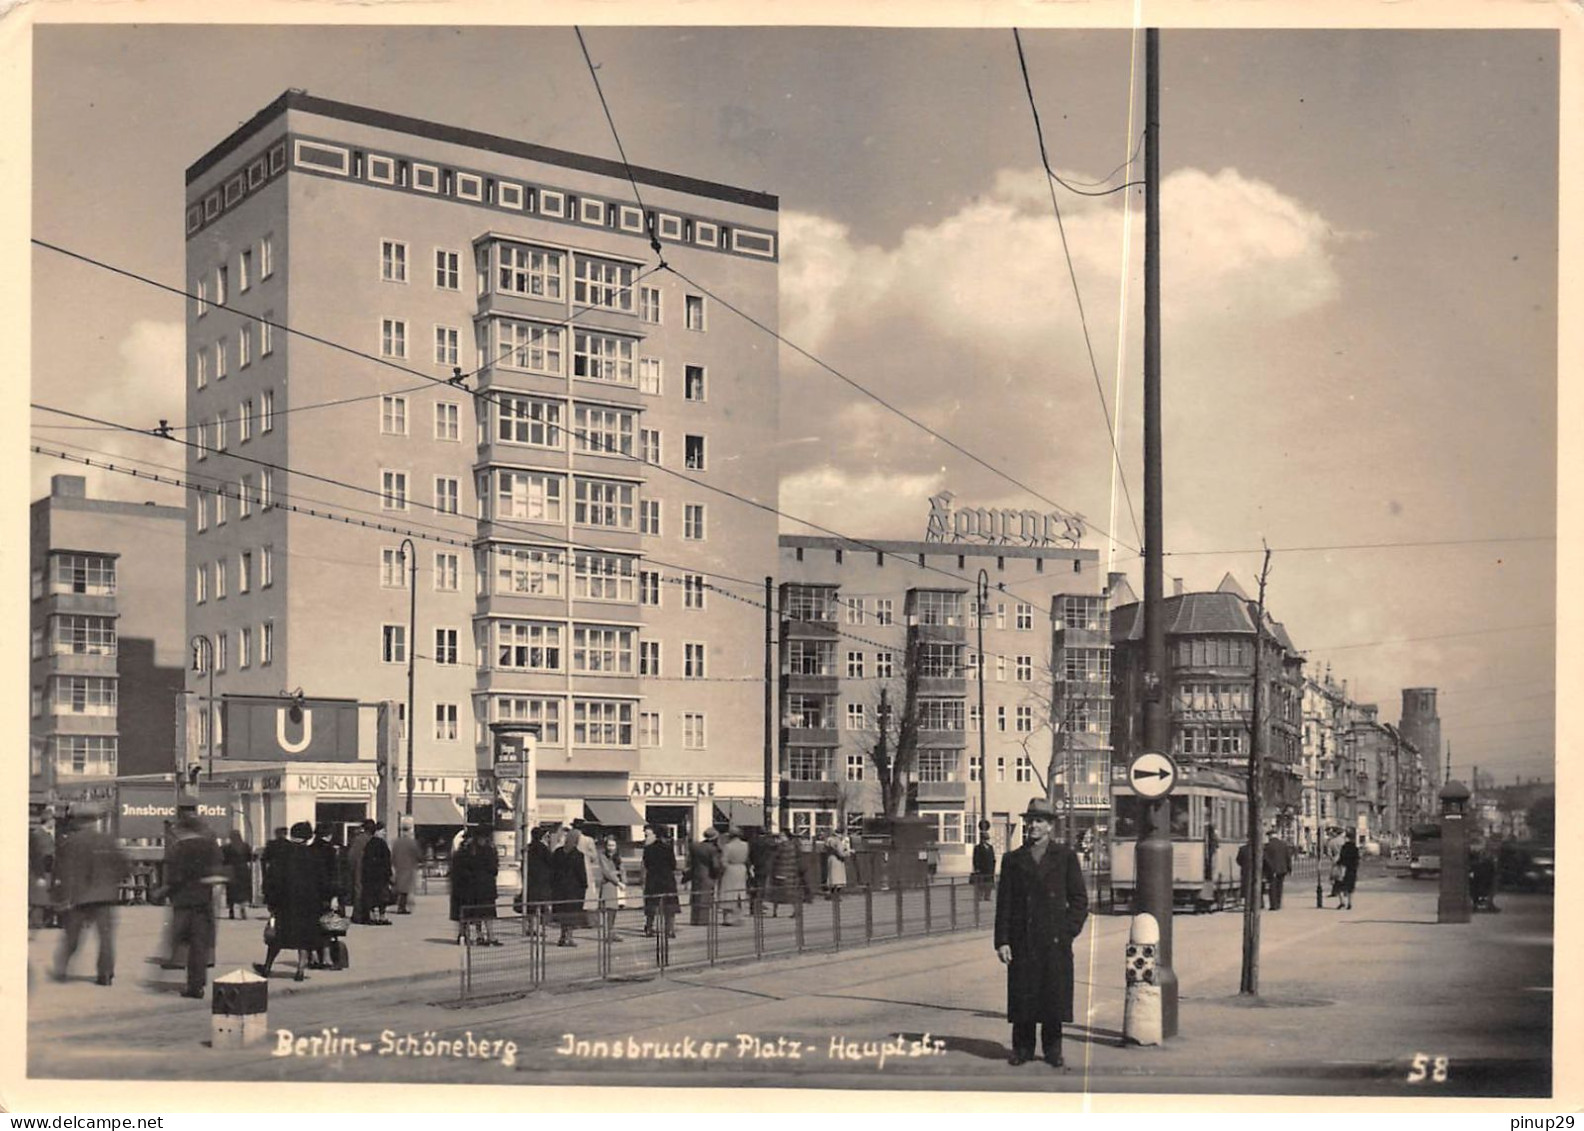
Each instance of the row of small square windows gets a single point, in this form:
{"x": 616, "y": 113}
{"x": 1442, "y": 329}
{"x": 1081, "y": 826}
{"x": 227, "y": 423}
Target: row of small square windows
{"x": 962, "y": 560}
{"x": 556, "y": 204}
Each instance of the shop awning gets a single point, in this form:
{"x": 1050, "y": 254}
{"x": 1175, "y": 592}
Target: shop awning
{"x": 611, "y": 811}
{"x": 739, "y": 811}
{"x": 432, "y": 810}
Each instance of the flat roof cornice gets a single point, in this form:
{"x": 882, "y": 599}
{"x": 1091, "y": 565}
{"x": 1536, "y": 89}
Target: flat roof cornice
{"x": 418, "y": 127}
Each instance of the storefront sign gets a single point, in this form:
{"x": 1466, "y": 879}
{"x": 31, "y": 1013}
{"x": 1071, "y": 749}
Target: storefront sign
{"x": 143, "y": 810}
{"x": 1000, "y": 525}
{"x": 659, "y": 790}
{"x": 335, "y": 783}
{"x": 271, "y": 729}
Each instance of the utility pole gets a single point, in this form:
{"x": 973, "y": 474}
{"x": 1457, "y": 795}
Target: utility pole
{"x": 1249, "y": 982}
{"x": 983, "y": 598}
{"x": 769, "y": 695}
{"x": 1154, "y": 852}
{"x": 409, "y": 554}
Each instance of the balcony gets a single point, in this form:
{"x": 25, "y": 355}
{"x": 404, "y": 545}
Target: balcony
{"x": 944, "y": 685}
{"x": 941, "y": 739}
{"x": 793, "y": 629}
{"x": 80, "y": 663}
{"x": 90, "y": 604}
{"x": 943, "y": 791}
{"x": 795, "y": 683}
{"x": 810, "y": 736}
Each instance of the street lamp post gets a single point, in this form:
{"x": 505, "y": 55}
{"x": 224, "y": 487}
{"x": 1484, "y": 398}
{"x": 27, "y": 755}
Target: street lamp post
{"x": 409, "y": 556}
{"x": 983, "y": 597}
{"x": 203, "y": 663}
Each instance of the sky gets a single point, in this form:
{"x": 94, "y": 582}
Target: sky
{"x": 1359, "y": 266}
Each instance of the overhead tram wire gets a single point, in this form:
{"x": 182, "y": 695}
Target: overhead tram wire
{"x": 654, "y": 239}
{"x": 1072, "y": 274}
{"x": 1068, "y": 185}
{"x": 1368, "y": 545}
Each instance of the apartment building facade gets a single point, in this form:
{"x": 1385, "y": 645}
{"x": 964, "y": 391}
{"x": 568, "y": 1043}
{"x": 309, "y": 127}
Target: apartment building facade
{"x": 106, "y": 652}
{"x": 526, "y": 421}
{"x": 856, "y": 616}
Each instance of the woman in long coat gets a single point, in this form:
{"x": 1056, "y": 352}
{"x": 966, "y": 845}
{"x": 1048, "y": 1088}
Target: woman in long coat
{"x": 297, "y": 892}
{"x": 612, "y": 888}
{"x": 838, "y": 848}
{"x": 537, "y": 892}
{"x": 788, "y": 882}
{"x": 1348, "y": 857}
{"x": 1041, "y": 906}
{"x": 734, "y": 875}
{"x": 568, "y": 886}
{"x": 238, "y": 859}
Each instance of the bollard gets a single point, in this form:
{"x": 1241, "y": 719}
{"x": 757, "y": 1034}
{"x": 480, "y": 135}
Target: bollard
{"x": 1141, "y": 1014}
{"x": 240, "y": 1014}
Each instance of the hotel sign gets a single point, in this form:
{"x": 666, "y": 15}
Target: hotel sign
{"x": 1001, "y": 526}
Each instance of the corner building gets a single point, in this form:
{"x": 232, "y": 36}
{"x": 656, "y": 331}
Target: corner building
{"x": 553, "y": 475}
{"x": 852, "y": 614}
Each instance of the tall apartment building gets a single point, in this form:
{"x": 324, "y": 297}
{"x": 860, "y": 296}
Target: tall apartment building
{"x": 854, "y": 614}
{"x": 1210, "y": 648}
{"x": 1421, "y": 725}
{"x": 544, "y": 416}
{"x": 107, "y": 650}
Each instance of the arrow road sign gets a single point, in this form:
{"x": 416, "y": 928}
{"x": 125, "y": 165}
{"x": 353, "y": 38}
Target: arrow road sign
{"x": 1152, "y": 775}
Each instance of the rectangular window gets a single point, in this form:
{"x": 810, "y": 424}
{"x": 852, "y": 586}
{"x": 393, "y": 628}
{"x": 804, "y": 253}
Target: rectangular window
{"x": 883, "y": 613}
{"x": 266, "y": 488}
{"x": 693, "y": 312}
{"x": 447, "y": 494}
{"x": 447, "y": 421}
{"x": 545, "y": 713}
{"x": 446, "y": 570}
{"x": 602, "y": 283}
{"x": 91, "y": 574}
{"x": 244, "y": 571}
{"x": 602, "y": 722}
{"x": 855, "y": 665}
{"x": 1000, "y": 616}
{"x": 527, "y": 572}
{"x": 811, "y": 657}
{"x": 220, "y": 579}
{"x": 220, "y": 358}
{"x": 942, "y": 714}
{"x": 1025, "y": 617}
{"x": 598, "y": 502}
{"x": 447, "y": 276}
{"x": 1025, "y": 769}
{"x": 693, "y": 383}
{"x": 527, "y": 646}
{"x": 445, "y": 720}
{"x": 530, "y": 271}
{"x": 603, "y": 577}
{"x": 1088, "y": 665}
{"x": 1025, "y": 720}
{"x": 393, "y": 337}
{"x": 649, "y": 657}
{"x": 1025, "y": 669}
{"x": 693, "y": 661}
{"x": 1001, "y": 669}
{"x": 267, "y": 642}
{"x": 885, "y": 665}
{"x": 201, "y": 368}
{"x": 602, "y": 357}
{"x": 221, "y": 439}
{"x": 220, "y": 506}
{"x": 649, "y": 517}
{"x": 809, "y": 763}
{"x": 266, "y": 567}
{"x": 200, "y": 585}
{"x": 393, "y": 490}
{"x": 602, "y": 651}
{"x": 266, "y": 334}
{"x": 528, "y": 495}
{"x": 201, "y": 294}
{"x": 649, "y": 305}
{"x": 522, "y": 420}
{"x": 81, "y": 695}
{"x": 605, "y": 431}
{"x": 649, "y": 441}
{"x": 938, "y": 607}
{"x": 222, "y": 284}
{"x": 529, "y": 346}
{"x": 692, "y": 591}
{"x": 855, "y": 767}
{"x": 393, "y": 569}
{"x": 267, "y": 410}
{"x": 393, "y": 261}
{"x": 693, "y": 452}
{"x": 245, "y": 422}
{"x": 939, "y": 660}
{"x": 693, "y": 522}
{"x": 855, "y": 718}
{"x": 266, "y": 257}
{"x": 244, "y": 647}
{"x": 692, "y": 731}
{"x": 937, "y": 766}
{"x": 649, "y": 376}
{"x": 222, "y": 651}
{"x": 445, "y": 652}
{"x": 649, "y": 729}
{"x": 445, "y": 345}
{"x": 648, "y": 587}
{"x": 245, "y": 269}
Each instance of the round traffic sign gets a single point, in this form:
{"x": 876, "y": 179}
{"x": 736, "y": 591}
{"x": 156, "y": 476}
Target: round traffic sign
{"x": 1152, "y": 775}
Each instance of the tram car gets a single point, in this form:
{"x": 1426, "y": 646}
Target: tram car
{"x": 1209, "y": 823}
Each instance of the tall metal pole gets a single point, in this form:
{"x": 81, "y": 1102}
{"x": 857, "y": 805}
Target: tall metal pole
{"x": 1154, "y": 853}
{"x": 203, "y": 661}
{"x": 983, "y": 596}
{"x": 769, "y": 694}
{"x": 409, "y": 555}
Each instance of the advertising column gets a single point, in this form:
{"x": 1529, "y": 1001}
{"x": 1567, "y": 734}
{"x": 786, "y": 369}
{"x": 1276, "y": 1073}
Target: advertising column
{"x": 514, "y": 746}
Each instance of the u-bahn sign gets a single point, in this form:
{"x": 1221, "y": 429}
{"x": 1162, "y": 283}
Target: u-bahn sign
{"x": 1002, "y": 526}
{"x": 275, "y": 729}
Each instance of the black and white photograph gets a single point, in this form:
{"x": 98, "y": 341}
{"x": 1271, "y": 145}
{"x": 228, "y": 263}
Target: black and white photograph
{"x": 670, "y": 555}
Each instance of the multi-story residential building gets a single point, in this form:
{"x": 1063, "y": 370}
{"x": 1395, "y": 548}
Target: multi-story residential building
{"x": 1210, "y": 647}
{"x": 858, "y": 617}
{"x": 1327, "y": 791}
{"x": 107, "y": 651}
{"x": 535, "y": 411}
{"x": 1373, "y": 747}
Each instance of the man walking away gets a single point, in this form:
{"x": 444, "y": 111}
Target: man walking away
{"x": 1348, "y": 860}
{"x": 660, "y": 885}
{"x": 376, "y": 875}
{"x": 355, "y": 851}
{"x": 704, "y": 871}
{"x": 89, "y": 869}
{"x": 1041, "y": 906}
{"x": 192, "y": 869}
{"x": 1278, "y": 863}
{"x": 984, "y": 861}
{"x": 406, "y": 859}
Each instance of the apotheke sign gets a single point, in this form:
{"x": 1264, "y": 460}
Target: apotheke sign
{"x": 1002, "y": 526}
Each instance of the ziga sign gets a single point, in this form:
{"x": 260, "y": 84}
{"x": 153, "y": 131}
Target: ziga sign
{"x": 1002, "y": 526}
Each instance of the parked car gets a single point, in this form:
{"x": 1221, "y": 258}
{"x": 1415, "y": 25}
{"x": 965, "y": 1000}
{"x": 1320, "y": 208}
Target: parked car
{"x": 1527, "y": 867}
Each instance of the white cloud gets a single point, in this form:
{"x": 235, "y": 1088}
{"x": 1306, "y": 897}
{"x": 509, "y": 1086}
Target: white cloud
{"x": 863, "y": 504}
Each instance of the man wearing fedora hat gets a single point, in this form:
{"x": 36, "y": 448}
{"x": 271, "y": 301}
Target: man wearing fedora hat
{"x": 1041, "y": 906}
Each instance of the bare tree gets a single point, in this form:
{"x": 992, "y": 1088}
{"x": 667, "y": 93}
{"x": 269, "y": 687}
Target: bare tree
{"x": 894, "y": 750}
{"x": 1249, "y": 982}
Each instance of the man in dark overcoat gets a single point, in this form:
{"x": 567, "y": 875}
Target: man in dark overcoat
{"x": 192, "y": 868}
{"x": 1041, "y": 905}
{"x": 704, "y": 872}
{"x": 660, "y": 883}
{"x": 1277, "y": 862}
{"x": 984, "y": 857}
{"x": 89, "y": 869}
{"x": 568, "y": 886}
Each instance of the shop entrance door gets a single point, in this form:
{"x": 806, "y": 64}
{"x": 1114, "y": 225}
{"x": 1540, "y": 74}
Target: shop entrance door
{"x": 343, "y": 817}
{"x": 675, "y": 822}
